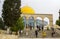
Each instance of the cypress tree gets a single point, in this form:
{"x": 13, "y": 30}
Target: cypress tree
{"x": 11, "y": 12}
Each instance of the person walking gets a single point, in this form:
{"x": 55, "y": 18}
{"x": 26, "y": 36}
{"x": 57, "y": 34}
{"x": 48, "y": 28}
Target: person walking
{"x": 42, "y": 28}
{"x": 39, "y": 28}
{"x": 43, "y": 34}
{"x": 36, "y": 33}
{"x": 53, "y": 31}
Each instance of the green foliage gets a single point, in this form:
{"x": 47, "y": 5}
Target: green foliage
{"x": 11, "y": 12}
{"x": 1, "y": 24}
{"x": 19, "y": 25}
{"x": 47, "y": 28}
{"x": 58, "y": 22}
{"x": 14, "y": 28}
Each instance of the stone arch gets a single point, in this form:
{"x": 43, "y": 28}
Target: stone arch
{"x": 39, "y": 18}
{"x": 38, "y": 21}
{"x": 24, "y": 17}
{"x": 31, "y": 21}
{"x": 24, "y": 20}
{"x": 46, "y": 21}
{"x": 49, "y": 16}
{"x": 31, "y": 17}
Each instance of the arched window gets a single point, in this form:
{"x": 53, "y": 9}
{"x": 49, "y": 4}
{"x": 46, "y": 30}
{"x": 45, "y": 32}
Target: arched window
{"x": 39, "y": 21}
{"x": 31, "y": 21}
{"x": 24, "y": 20}
{"x": 46, "y": 21}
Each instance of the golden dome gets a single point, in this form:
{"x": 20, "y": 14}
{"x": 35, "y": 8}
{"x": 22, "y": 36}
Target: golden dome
{"x": 27, "y": 10}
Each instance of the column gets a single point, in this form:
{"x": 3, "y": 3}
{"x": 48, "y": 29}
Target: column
{"x": 34, "y": 23}
{"x": 51, "y": 23}
{"x": 42, "y": 23}
{"x": 27, "y": 22}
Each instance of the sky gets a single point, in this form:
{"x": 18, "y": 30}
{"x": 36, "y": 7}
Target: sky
{"x": 41, "y": 7}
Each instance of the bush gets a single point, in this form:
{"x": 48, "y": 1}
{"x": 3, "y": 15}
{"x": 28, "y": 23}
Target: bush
{"x": 58, "y": 22}
{"x": 19, "y": 25}
{"x": 47, "y": 28}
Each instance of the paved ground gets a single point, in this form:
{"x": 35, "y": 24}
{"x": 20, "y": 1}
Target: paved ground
{"x": 5, "y": 36}
{"x": 31, "y": 34}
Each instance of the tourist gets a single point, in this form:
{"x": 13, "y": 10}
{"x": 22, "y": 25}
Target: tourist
{"x": 20, "y": 32}
{"x": 53, "y": 31}
{"x": 8, "y": 30}
{"x": 30, "y": 26}
{"x": 52, "y": 28}
{"x": 42, "y": 28}
{"x": 36, "y": 33}
{"x": 39, "y": 28}
{"x": 43, "y": 34}
{"x": 27, "y": 31}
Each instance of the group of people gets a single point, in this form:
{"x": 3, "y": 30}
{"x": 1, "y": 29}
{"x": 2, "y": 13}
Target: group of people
{"x": 38, "y": 28}
{"x": 43, "y": 32}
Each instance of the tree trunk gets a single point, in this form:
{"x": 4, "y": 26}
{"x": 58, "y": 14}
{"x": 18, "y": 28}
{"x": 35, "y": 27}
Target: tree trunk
{"x": 16, "y": 33}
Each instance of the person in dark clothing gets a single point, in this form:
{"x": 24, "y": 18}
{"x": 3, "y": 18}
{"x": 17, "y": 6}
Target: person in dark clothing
{"x": 39, "y": 28}
{"x": 42, "y": 28}
{"x": 36, "y": 33}
{"x": 30, "y": 27}
{"x": 52, "y": 28}
{"x": 53, "y": 32}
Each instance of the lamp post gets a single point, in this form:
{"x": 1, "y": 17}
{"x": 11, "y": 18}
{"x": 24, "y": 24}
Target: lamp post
{"x": 59, "y": 14}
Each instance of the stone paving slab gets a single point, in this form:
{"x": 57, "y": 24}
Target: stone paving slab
{"x": 3, "y": 36}
{"x": 31, "y": 34}
{"x": 39, "y": 38}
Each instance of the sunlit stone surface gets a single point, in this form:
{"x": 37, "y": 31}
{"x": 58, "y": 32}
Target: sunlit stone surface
{"x": 3, "y": 36}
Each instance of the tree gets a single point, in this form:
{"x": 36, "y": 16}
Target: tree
{"x": 1, "y": 24}
{"x": 11, "y": 12}
{"x": 19, "y": 25}
{"x": 58, "y": 22}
